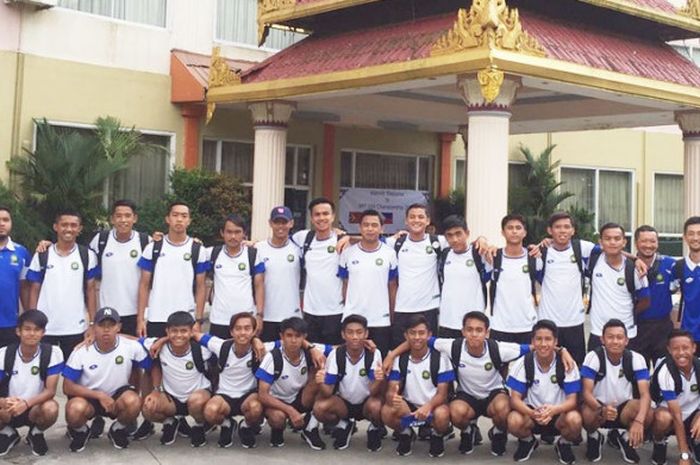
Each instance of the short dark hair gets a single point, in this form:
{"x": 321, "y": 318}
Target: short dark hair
{"x": 34, "y": 316}
{"x": 240, "y": 315}
{"x": 611, "y": 225}
{"x": 454, "y": 221}
{"x": 693, "y": 220}
{"x": 180, "y": 318}
{"x": 417, "y": 320}
{"x": 422, "y": 206}
{"x": 5, "y": 208}
{"x": 123, "y": 203}
{"x": 67, "y": 212}
{"x": 644, "y": 228}
{"x": 236, "y": 220}
{"x": 294, "y": 323}
{"x": 354, "y": 318}
{"x": 513, "y": 217}
{"x": 680, "y": 333}
{"x": 558, "y": 216}
{"x": 372, "y": 212}
{"x": 546, "y": 324}
{"x": 321, "y": 201}
{"x": 177, "y": 203}
{"x": 614, "y": 323}
{"x": 476, "y": 315}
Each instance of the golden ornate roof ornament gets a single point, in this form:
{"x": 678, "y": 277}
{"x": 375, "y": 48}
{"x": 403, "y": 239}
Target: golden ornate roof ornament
{"x": 691, "y": 9}
{"x": 265, "y": 7}
{"x": 490, "y": 79}
{"x": 220, "y": 74}
{"x": 488, "y": 24}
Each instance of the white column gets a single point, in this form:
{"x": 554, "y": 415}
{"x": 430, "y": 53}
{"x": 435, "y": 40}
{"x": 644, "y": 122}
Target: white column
{"x": 487, "y": 156}
{"x": 690, "y": 125}
{"x": 270, "y": 123}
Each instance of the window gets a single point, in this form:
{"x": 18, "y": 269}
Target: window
{"x": 606, "y": 193}
{"x": 236, "y": 21}
{"x": 384, "y": 171}
{"x": 668, "y": 212}
{"x": 150, "y": 12}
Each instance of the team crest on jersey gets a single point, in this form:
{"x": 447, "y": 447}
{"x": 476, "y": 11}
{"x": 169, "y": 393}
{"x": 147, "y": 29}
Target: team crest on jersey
{"x": 428, "y": 249}
{"x": 119, "y": 360}
{"x": 242, "y": 266}
{"x": 290, "y": 258}
{"x": 659, "y": 278}
{"x": 425, "y": 374}
{"x": 133, "y": 253}
{"x": 304, "y": 370}
{"x": 379, "y": 262}
{"x": 488, "y": 366}
{"x": 189, "y": 365}
{"x": 620, "y": 281}
{"x": 35, "y": 370}
{"x": 13, "y": 259}
{"x": 187, "y": 256}
{"x": 694, "y": 388}
{"x": 74, "y": 266}
{"x": 526, "y": 269}
{"x": 573, "y": 259}
{"x": 553, "y": 379}
{"x": 330, "y": 248}
{"x": 470, "y": 262}
{"x": 363, "y": 372}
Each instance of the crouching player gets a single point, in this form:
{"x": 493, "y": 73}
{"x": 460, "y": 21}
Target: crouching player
{"x": 544, "y": 397}
{"x": 615, "y": 395}
{"x": 28, "y": 383}
{"x": 96, "y": 381}
{"x": 180, "y": 382}
{"x": 237, "y": 391}
{"x": 351, "y": 386}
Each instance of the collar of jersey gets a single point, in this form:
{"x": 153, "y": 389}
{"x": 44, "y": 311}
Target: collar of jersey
{"x": 114, "y": 236}
{"x": 605, "y": 259}
{"x": 109, "y": 351}
{"x": 240, "y": 252}
{"x": 269, "y": 242}
{"x": 524, "y": 254}
{"x": 568, "y": 246}
{"x": 427, "y": 354}
{"x": 408, "y": 236}
{"x": 19, "y": 353}
{"x": 539, "y": 368}
{"x": 176, "y": 355}
{"x": 326, "y": 239}
{"x": 301, "y": 358}
{"x": 379, "y": 247}
{"x": 347, "y": 355}
{"x": 55, "y": 250}
{"x": 688, "y": 262}
{"x": 9, "y": 246}
{"x": 605, "y": 351}
{"x": 167, "y": 239}
{"x": 469, "y": 248}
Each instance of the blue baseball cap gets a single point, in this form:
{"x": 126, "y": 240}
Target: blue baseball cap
{"x": 281, "y": 212}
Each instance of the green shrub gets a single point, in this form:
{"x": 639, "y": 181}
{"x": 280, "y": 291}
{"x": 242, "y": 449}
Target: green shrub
{"x": 27, "y": 227}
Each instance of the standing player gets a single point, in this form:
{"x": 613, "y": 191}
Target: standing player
{"x": 617, "y": 291}
{"x": 368, "y": 270}
{"x": 615, "y": 394}
{"x": 687, "y": 272}
{"x": 28, "y": 383}
{"x": 96, "y": 381}
{"x": 281, "y": 258}
{"x": 351, "y": 386}
{"x": 14, "y": 262}
{"x": 543, "y": 397}
{"x": 63, "y": 284}
{"x": 323, "y": 298}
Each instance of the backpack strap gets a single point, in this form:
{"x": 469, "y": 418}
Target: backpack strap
{"x": 84, "y": 253}
{"x": 456, "y": 352}
{"x": 629, "y": 277}
{"x": 543, "y": 254}
{"x": 369, "y": 360}
{"x": 399, "y": 243}
{"x": 494, "y": 353}
{"x": 560, "y": 371}
{"x": 481, "y": 268}
{"x": 252, "y": 255}
{"x": 628, "y": 371}
{"x": 602, "y": 363}
{"x": 194, "y": 259}
{"x": 578, "y": 256}
{"x": 403, "y": 371}
{"x": 215, "y": 252}
{"x": 341, "y": 361}
{"x": 497, "y": 263}
{"x": 277, "y": 363}
{"x": 144, "y": 240}
{"x": 592, "y": 260}
{"x": 435, "y": 244}
{"x": 197, "y": 357}
{"x": 306, "y": 246}
{"x": 532, "y": 271}
{"x": 654, "y": 389}
{"x": 102, "y": 239}
{"x": 679, "y": 275}
{"x": 43, "y": 262}
{"x": 157, "y": 247}
{"x": 675, "y": 375}
{"x": 529, "y": 363}
{"x": 434, "y": 366}
{"x": 224, "y": 353}
{"x": 9, "y": 364}
{"x": 44, "y": 360}
{"x": 696, "y": 367}
{"x": 442, "y": 258}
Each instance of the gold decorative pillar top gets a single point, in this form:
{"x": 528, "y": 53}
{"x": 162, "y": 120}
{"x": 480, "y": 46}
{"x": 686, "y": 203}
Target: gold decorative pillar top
{"x": 689, "y": 122}
{"x": 691, "y": 9}
{"x": 488, "y": 24}
{"x": 488, "y": 90}
{"x": 272, "y": 113}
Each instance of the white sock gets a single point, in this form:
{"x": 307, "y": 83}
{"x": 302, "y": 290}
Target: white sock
{"x": 245, "y": 424}
{"x": 594, "y": 435}
{"x": 169, "y": 421}
{"x": 7, "y": 431}
{"x": 497, "y": 430}
{"x": 406, "y": 430}
{"x": 372, "y": 427}
{"x": 342, "y": 424}
{"x": 564, "y": 441}
{"x": 36, "y": 430}
{"x": 226, "y": 423}
{"x": 196, "y": 425}
{"x": 82, "y": 429}
{"x": 117, "y": 425}
{"x": 528, "y": 439}
{"x": 313, "y": 423}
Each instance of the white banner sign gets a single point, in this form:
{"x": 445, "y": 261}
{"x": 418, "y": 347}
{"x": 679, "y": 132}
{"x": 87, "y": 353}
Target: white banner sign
{"x": 390, "y": 203}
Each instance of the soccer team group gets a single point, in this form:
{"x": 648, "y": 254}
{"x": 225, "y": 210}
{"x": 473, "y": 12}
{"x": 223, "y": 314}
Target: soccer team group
{"x": 318, "y": 330}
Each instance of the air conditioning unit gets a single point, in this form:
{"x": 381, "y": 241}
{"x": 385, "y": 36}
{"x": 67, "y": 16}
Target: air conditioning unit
{"x": 38, "y": 4}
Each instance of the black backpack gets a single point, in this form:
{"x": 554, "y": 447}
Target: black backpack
{"x": 103, "y": 237}
{"x": 627, "y": 369}
{"x": 194, "y": 259}
{"x": 226, "y": 350}
{"x": 478, "y": 263}
{"x": 252, "y": 256}
{"x": 278, "y": 362}
{"x": 629, "y": 277}
{"x": 679, "y": 274}
{"x": 498, "y": 262}
{"x": 9, "y": 364}
{"x": 655, "y": 389}
{"x": 578, "y": 256}
{"x": 559, "y": 370}
{"x": 306, "y": 246}
{"x": 456, "y": 354}
{"x": 84, "y": 259}
{"x": 341, "y": 360}
{"x": 434, "y": 368}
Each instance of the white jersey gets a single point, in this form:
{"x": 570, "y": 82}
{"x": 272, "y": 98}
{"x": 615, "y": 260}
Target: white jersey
{"x": 462, "y": 291}
{"x": 62, "y": 297}
{"x": 323, "y": 293}
{"x": 368, "y": 274}
{"x": 610, "y": 297}
{"x": 419, "y": 387}
{"x": 180, "y": 375}
{"x": 355, "y": 385}
{"x": 173, "y": 278}
{"x": 292, "y": 378}
{"x": 614, "y": 388}
{"x": 282, "y": 274}
{"x": 514, "y": 309}
{"x": 562, "y": 296}
{"x": 106, "y": 371}
{"x": 233, "y": 285}
{"x": 119, "y": 286}
{"x": 689, "y": 397}
{"x": 477, "y": 376}
{"x": 419, "y": 289}
{"x": 545, "y": 389}
{"x": 26, "y": 381}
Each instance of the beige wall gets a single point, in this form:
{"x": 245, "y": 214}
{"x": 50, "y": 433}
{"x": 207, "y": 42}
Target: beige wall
{"x": 8, "y": 65}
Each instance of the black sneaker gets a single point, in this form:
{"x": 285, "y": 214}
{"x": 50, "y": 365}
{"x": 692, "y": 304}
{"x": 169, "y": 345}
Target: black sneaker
{"x": 276, "y": 437}
{"x": 628, "y": 453}
{"x": 97, "y": 427}
{"x": 226, "y": 434}
{"x": 424, "y": 432}
{"x": 658, "y": 456}
{"x": 119, "y": 437}
{"x": 547, "y": 439}
{"x": 565, "y": 452}
{"x": 450, "y": 434}
{"x": 183, "y": 430}
{"x": 342, "y": 436}
{"x": 498, "y": 442}
{"x": 247, "y": 436}
{"x": 374, "y": 440}
{"x": 313, "y": 439}
{"x": 478, "y": 439}
{"x": 525, "y": 449}
{"x": 437, "y": 446}
{"x": 8, "y": 441}
{"x": 594, "y": 448}
{"x": 169, "y": 433}
{"x": 37, "y": 442}
{"x": 405, "y": 443}
{"x": 144, "y": 431}
{"x": 466, "y": 441}
{"x": 79, "y": 440}
{"x": 198, "y": 436}
{"x": 613, "y": 435}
